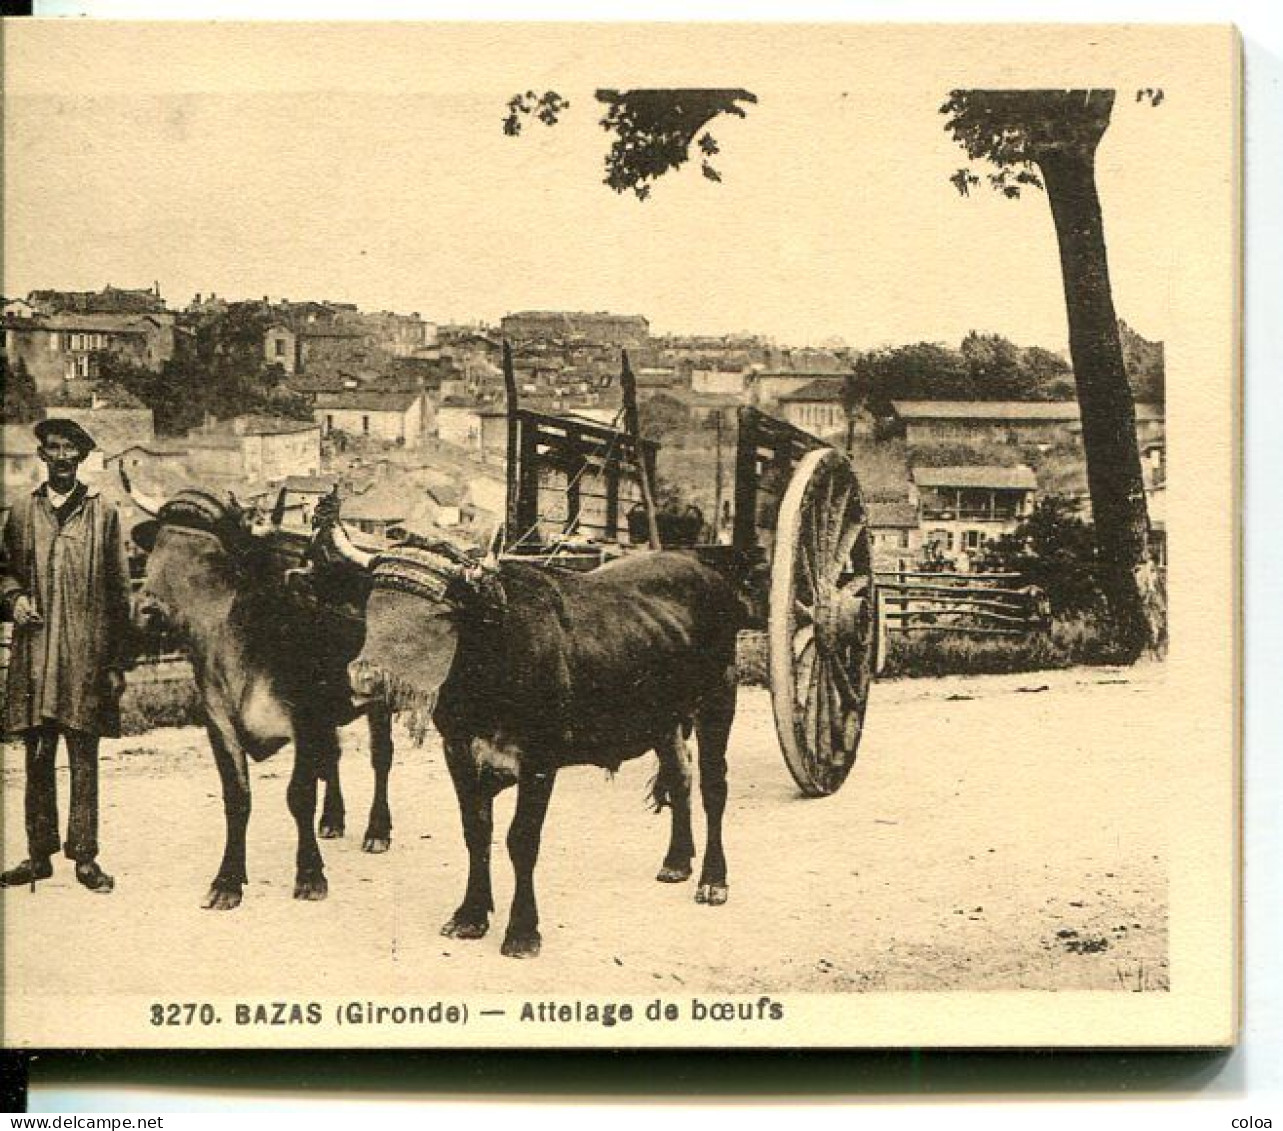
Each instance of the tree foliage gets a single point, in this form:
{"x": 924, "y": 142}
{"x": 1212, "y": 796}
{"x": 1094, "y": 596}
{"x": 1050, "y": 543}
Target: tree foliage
{"x": 217, "y": 370}
{"x": 1145, "y": 363}
{"x": 21, "y": 402}
{"x": 662, "y": 416}
{"x": 984, "y": 367}
{"x": 655, "y": 131}
{"x": 1054, "y": 549}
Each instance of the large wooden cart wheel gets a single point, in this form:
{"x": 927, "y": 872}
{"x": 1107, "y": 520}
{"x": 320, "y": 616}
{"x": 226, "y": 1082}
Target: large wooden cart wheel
{"x": 822, "y": 621}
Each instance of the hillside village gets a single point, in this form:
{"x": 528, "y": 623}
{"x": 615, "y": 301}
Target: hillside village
{"x": 406, "y": 417}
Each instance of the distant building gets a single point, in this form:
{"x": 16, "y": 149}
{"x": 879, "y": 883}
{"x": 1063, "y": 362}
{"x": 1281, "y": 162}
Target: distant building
{"x": 1004, "y": 422}
{"x": 323, "y": 346}
{"x": 620, "y": 330}
{"x": 154, "y": 462}
{"x": 395, "y": 418}
{"x": 768, "y": 386}
{"x": 817, "y": 408}
{"x": 726, "y": 382}
{"x": 280, "y": 347}
{"x": 254, "y": 449}
{"x": 962, "y": 508}
{"x": 63, "y": 347}
{"x": 896, "y": 532}
{"x": 110, "y": 300}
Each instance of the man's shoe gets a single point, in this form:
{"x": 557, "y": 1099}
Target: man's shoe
{"x": 94, "y": 878}
{"x": 28, "y": 872}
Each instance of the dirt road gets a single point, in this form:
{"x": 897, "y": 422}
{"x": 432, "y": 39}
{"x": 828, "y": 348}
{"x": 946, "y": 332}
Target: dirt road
{"x": 989, "y": 838}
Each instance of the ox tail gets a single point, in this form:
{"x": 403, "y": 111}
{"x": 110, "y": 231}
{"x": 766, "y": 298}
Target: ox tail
{"x": 660, "y": 794}
{"x": 413, "y": 705}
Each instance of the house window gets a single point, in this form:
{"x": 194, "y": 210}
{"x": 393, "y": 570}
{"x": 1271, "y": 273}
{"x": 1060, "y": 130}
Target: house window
{"x": 365, "y": 425}
{"x": 329, "y": 423}
{"x": 941, "y": 538}
{"x": 973, "y": 540}
{"x": 77, "y": 366}
{"x": 904, "y": 539}
{"x": 280, "y": 347}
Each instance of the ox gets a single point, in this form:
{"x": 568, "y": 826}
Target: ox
{"x": 527, "y": 670}
{"x": 270, "y": 666}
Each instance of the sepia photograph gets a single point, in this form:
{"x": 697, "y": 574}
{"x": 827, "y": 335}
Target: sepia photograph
{"x": 580, "y": 535}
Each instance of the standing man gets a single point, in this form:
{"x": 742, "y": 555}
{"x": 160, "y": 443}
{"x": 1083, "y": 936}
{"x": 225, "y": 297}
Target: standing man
{"x": 64, "y": 579}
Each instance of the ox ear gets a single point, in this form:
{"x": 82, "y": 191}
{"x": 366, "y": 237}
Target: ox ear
{"x": 144, "y": 534}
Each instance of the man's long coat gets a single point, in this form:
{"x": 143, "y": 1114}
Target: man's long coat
{"x": 78, "y": 579}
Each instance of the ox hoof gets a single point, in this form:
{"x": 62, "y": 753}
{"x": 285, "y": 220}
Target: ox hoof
{"x": 330, "y": 830}
{"x": 311, "y": 888}
{"x": 522, "y": 945}
{"x": 376, "y": 844}
{"x": 222, "y": 897}
{"x": 712, "y": 894}
{"x": 461, "y": 928}
{"x": 671, "y": 875}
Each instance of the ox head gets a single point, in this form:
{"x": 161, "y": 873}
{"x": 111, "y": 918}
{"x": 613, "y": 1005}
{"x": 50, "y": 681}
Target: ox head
{"x": 422, "y": 595}
{"x": 190, "y": 538}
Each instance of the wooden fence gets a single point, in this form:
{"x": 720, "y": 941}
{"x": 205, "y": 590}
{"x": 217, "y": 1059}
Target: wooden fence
{"x": 976, "y": 604}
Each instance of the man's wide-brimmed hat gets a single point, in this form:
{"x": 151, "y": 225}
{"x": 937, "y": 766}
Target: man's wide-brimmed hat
{"x": 67, "y": 429}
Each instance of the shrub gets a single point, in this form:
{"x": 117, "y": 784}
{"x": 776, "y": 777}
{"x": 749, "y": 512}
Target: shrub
{"x": 1082, "y": 639}
{"x": 150, "y": 703}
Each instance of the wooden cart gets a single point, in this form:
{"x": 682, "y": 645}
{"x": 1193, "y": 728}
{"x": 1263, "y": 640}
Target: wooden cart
{"x": 798, "y": 542}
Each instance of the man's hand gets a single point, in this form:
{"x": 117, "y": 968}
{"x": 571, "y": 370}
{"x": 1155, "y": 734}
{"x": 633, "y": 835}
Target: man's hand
{"x": 25, "y": 612}
{"x": 115, "y": 684}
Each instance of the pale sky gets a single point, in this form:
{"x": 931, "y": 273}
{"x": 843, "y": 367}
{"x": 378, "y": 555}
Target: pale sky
{"x": 367, "y": 164}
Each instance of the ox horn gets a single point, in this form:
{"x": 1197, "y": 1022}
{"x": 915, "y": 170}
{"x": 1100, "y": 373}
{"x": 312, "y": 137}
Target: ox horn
{"x": 144, "y": 503}
{"x": 345, "y": 548}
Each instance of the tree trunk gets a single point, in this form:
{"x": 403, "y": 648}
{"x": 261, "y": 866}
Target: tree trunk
{"x": 1132, "y": 582}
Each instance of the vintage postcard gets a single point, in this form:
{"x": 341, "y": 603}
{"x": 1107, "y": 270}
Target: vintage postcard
{"x": 609, "y": 536}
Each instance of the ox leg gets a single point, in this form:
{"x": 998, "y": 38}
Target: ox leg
{"x": 378, "y": 832}
{"x": 713, "y": 726}
{"x": 476, "y": 791}
{"x": 673, "y": 789}
{"x": 534, "y": 789}
{"x": 233, "y": 772}
{"x": 316, "y": 752}
{"x": 333, "y": 823}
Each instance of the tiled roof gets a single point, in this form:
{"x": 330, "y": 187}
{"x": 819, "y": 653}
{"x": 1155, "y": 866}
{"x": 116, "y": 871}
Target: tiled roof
{"x": 367, "y": 400}
{"x": 309, "y": 484}
{"x": 1019, "y": 478}
{"x": 1004, "y": 410}
{"x": 892, "y": 512}
{"x": 824, "y": 389}
{"x": 271, "y": 425}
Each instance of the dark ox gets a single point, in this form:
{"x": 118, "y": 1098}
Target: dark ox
{"x": 270, "y": 666}
{"x": 527, "y": 670}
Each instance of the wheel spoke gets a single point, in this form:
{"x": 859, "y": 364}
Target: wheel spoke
{"x": 808, "y": 571}
{"x": 823, "y": 713}
{"x": 811, "y": 701}
{"x": 804, "y": 677}
{"x": 813, "y": 549}
{"x": 803, "y": 639}
{"x": 846, "y": 544}
{"x": 837, "y": 522}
